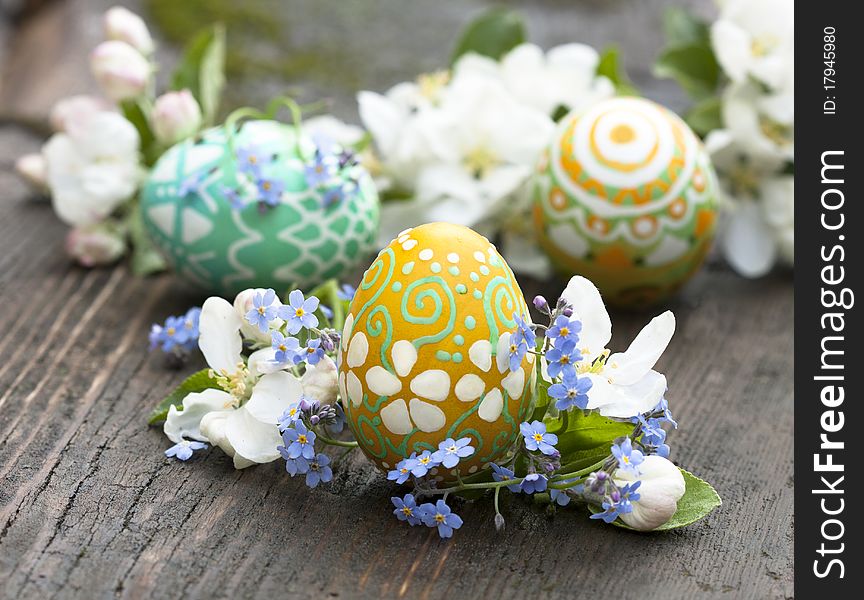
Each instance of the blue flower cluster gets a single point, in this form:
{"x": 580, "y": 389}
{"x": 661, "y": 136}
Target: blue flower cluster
{"x": 448, "y": 455}
{"x": 178, "y": 335}
{"x": 327, "y": 172}
{"x": 284, "y": 321}
{"x": 562, "y": 357}
{"x": 542, "y": 459}
{"x": 619, "y": 501}
{"x": 296, "y": 425}
{"x": 438, "y": 515}
{"x": 653, "y": 439}
{"x": 252, "y": 161}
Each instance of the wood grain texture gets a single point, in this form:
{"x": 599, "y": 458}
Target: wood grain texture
{"x": 90, "y": 508}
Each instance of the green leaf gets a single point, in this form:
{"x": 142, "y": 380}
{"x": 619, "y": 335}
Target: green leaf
{"x": 197, "y": 382}
{"x": 136, "y": 114}
{"x": 693, "y": 66}
{"x": 611, "y": 67}
{"x": 698, "y": 501}
{"x": 587, "y": 432}
{"x": 705, "y": 116}
{"x": 146, "y": 260}
{"x": 492, "y": 34}
{"x": 202, "y": 70}
{"x": 683, "y": 28}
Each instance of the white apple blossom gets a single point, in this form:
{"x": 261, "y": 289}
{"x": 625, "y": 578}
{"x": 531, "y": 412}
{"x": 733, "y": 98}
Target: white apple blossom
{"x": 241, "y": 416}
{"x": 122, "y": 72}
{"x": 566, "y": 76}
{"x": 760, "y": 124}
{"x": 75, "y": 111}
{"x": 759, "y": 231}
{"x": 481, "y": 145}
{"x": 124, "y": 25}
{"x": 755, "y": 38}
{"x": 92, "y": 168}
{"x": 623, "y": 384}
{"x": 96, "y": 245}
{"x": 175, "y": 116}
{"x": 32, "y": 169}
{"x": 662, "y": 486}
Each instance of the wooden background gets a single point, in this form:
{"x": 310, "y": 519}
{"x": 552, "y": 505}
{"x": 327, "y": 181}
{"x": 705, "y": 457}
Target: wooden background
{"x": 90, "y": 508}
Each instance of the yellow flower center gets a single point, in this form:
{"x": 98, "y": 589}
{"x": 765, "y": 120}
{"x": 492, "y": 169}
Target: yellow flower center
{"x": 170, "y": 331}
{"x": 424, "y": 460}
{"x": 266, "y": 185}
{"x": 406, "y": 510}
{"x": 301, "y": 438}
{"x": 261, "y": 310}
{"x": 538, "y": 437}
{"x": 431, "y": 84}
{"x": 299, "y": 312}
{"x": 480, "y": 160}
{"x": 564, "y": 332}
{"x": 238, "y": 384}
{"x": 763, "y": 45}
{"x": 778, "y": 133}
{"x": 439, "y": 518}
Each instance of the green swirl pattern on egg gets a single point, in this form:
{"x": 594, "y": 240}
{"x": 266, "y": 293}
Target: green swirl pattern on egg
{"x": 212, "y": 220}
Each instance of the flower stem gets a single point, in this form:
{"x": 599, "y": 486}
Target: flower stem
{"x": 333, "y": 442}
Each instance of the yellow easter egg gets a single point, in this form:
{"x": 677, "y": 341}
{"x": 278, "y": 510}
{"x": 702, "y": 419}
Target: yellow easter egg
{"x": 425, "y": 350}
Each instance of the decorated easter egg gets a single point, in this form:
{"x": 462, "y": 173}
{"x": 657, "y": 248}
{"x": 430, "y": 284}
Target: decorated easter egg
{"x": 425, "y": 350}
{"x": 263, "y": 207}
{"x": 627, "y": 197}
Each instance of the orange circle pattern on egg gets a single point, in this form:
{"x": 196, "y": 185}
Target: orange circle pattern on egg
{"x": 425, "y": 349}
{"x": 626, "y": 196}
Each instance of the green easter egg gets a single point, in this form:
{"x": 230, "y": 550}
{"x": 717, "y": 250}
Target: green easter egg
{"x": 264, "y": 209}
{"x": 626, "y": 195}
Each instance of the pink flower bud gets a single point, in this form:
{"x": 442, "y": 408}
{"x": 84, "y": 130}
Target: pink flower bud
{"x": 122, "y": 71}
{"x": 176, "y": 116}
{"x": 124, "y": 25}
{"x": 73, "y": 111}
{"x": 96, "y": 245}
{"x": 33, "y": 170}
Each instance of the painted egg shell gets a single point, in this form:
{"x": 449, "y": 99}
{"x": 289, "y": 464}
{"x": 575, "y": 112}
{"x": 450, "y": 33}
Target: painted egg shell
{"x": 425, "y": 350}
{"x": 204, "y": 207}
{"x": 626, "y": 196}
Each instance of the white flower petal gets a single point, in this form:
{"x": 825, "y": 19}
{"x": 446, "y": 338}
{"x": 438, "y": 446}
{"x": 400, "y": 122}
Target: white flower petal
{"x": 588, "y": 307}
{"x": 627, "y": 401}
{"x": 732, "y": 47}
{"x": 213, "y": 426}
{"x": 220, "y": 340}
{"x": 252, "y": 439}
{"x": 747, "y": 242}
{"x": 272, "y": 395}
{"x": 186, "y": 423}
{"x": 625, "y": 368}
{"x": 321, "y": 381}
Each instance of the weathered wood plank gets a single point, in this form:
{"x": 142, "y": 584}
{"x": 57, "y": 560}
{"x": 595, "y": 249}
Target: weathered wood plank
{"x": 90, "y": 508}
